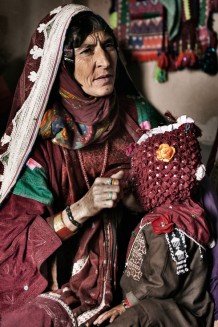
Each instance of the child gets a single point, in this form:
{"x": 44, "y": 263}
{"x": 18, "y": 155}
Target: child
{"x": 165, "y": 279}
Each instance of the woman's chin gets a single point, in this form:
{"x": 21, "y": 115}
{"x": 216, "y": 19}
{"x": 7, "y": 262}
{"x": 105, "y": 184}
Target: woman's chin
{"x": 101, "y": 92}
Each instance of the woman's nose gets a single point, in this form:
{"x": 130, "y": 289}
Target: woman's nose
{"x": 102, "y": 58}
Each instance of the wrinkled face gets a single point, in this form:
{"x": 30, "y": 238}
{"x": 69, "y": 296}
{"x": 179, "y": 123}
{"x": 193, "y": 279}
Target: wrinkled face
{"x": 95, "y": 64}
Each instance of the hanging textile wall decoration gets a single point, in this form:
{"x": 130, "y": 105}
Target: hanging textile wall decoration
{"x": 176, "y": 34}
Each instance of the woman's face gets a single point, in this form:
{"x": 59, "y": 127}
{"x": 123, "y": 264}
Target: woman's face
{"x": 95, "y": 64}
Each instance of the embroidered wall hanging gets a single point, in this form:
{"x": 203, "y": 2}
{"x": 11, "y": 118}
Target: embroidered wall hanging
{"x": 176, "y": 34}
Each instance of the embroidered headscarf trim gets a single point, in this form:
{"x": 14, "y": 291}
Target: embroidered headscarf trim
{"x": 17, "y": 143}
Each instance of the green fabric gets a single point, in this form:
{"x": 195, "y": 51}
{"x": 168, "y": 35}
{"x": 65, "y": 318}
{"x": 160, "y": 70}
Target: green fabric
{"x": 146, "y": 112}
{"x": 160, "y": 75}
{"x": 125, "y": 9}
{"x": 151, "y": 15}
{"x": 173, "y": 16}
{"x": 33, "y": 185}
{"x": 113, "y": 20}
{"x": 202, "y": 13}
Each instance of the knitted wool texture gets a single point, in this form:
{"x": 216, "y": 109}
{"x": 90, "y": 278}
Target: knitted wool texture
{"x": 156, "y": 181}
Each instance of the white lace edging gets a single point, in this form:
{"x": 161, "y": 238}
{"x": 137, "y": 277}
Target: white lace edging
{"x": 166, "y": 128}
{"x": 79, "y": 265}
{"x": 91, "y": 313}
{"x": 54, "y": 297}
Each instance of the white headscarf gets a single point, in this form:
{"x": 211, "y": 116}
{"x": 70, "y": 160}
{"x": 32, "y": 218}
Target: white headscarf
{"x": 19, "y": 139}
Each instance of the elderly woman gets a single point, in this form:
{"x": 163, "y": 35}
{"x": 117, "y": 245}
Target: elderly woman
{"x": 65, "y": 191}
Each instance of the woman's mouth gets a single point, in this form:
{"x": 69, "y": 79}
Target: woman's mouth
{"x": 104, "y": 79}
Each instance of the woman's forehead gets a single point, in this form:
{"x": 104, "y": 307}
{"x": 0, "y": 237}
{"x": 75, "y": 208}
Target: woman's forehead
{"x": 95, "y": 37}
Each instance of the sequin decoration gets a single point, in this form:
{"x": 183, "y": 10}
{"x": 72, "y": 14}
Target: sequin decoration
{"x": 177, "y": 247}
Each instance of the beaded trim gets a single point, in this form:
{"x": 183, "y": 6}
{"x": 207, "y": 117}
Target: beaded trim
{"x": 55, "y": 297}
{"x": 177, "y": 247}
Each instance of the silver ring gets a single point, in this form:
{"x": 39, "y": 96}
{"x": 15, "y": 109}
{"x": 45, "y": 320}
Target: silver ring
{"x": 110, "y": 195}
{"x": 109, "y": 181}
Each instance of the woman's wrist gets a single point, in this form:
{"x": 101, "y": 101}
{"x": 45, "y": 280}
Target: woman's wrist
{"x": 73, "y": 216}
{"x": 60, "y": 228}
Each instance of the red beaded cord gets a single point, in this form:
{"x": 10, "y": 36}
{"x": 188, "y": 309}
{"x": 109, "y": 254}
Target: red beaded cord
{"x": 106, "y": 148}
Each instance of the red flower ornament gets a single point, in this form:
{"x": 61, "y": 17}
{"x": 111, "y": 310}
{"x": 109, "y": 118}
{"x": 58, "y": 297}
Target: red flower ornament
{"x": 162, "y": 224}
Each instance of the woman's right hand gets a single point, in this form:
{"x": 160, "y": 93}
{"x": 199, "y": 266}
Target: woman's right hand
{"x": 105, "y": 192}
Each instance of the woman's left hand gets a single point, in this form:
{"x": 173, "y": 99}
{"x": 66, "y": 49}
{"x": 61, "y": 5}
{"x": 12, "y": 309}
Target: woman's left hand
{"x": 111, "y": 314}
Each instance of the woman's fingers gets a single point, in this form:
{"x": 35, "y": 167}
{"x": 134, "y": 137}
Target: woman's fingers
{"x": 113, "y": 180}
{"x": 105, "y": 198}
{"x": 118, "y": 175}
{"x": 122, "y": 180}
{"x": 106, "y": 190}
{"x": 104, "y": 193}
{"x": 111, "y": 314}
{"x": 114, "y": 316}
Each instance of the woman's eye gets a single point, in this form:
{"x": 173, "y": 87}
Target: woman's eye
{"x": 110, "y": 45}
{"x": 86, "y": 51}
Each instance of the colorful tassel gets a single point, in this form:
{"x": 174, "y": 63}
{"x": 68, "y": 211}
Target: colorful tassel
{"x": 160, "y": 75}
{"x": 161, "y": 69}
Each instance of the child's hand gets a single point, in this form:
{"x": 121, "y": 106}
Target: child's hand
{"x": 111, "y": 314}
